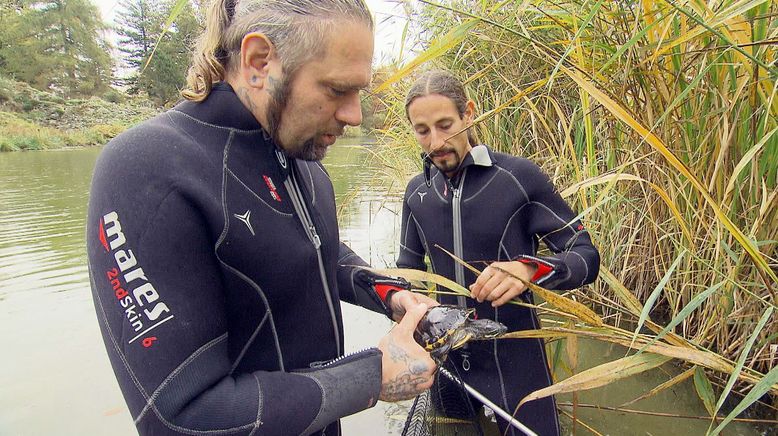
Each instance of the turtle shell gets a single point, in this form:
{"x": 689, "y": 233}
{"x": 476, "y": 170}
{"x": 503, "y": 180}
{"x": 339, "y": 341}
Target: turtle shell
{"x": 446, "y": 327}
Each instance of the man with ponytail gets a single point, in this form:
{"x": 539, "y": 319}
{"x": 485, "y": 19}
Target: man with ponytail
{"x": 492, "y": 210}
{"x": 216, "y": 267}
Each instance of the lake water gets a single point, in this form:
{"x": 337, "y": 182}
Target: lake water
{"x": 55, "y": 377}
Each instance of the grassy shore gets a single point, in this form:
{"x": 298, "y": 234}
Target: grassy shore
{"x": 34, "y": 120}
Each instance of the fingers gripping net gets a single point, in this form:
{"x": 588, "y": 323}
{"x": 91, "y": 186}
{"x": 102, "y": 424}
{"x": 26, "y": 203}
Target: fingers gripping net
{"x": 444, "y": 409}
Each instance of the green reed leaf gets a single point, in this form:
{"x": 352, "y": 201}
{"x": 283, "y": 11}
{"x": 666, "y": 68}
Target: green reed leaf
{"x": 686, "y": 311}
{"x": 656, "y": 293}
{"x": 761, "y": 388}
{"x": 742, "y": 358}
{"x": 704, "y": 390}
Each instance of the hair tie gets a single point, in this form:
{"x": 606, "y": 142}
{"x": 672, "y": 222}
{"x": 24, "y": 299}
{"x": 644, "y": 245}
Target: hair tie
{"x": 229, "y": 6}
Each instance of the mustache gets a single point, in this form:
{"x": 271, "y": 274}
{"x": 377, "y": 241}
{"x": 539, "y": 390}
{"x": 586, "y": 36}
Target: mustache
{"x": 437, "y": 152}
{"x": 337, "y": 129}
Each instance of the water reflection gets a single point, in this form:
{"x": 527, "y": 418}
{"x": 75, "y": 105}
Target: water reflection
{"x": 42, "y": 222}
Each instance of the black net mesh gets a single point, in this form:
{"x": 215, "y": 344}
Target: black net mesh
{"x": 446, "y": 409}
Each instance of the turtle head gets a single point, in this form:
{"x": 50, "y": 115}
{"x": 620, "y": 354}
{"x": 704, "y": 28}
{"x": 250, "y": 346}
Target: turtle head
{"x": 485, "y": 329}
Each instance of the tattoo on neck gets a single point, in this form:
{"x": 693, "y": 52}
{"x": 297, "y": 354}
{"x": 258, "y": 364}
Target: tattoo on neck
{"x": 272, "y": 84}
{"x": 245, "y": 97}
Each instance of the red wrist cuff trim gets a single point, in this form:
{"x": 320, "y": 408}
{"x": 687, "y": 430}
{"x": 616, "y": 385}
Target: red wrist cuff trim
{"x": 383, "y": 290}
{"x": 543, "y": 269}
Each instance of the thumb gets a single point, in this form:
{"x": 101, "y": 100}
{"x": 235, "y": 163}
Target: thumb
{"x": 412, "y": 317}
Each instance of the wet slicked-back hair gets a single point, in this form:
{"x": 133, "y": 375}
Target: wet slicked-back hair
{"x": 443, "y": 83}
{"x": 298, "y": 29}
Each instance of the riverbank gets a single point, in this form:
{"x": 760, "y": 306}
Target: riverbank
{"x": 35, "y": 120}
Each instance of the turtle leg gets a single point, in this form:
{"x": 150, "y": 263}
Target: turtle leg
{"x": 440, "y": 353}
{"x": 460, "y": 338}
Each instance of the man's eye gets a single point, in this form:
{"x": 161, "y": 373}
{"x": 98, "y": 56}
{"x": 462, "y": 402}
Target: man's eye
{"x": 446, "y": 126}
{"x": 337, "y": 92}
{"x": 421, "y": 131}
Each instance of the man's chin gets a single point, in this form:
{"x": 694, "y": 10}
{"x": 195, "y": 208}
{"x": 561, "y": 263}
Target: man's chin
{"x": 446, "y": 166}
{"x": 317, "y": 154}
{"x": 309, "y": 151}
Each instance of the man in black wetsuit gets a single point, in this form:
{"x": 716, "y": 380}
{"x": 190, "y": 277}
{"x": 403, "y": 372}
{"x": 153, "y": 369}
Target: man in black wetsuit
{"x": 492, "y": 210}
{"x": 216, "y": 267}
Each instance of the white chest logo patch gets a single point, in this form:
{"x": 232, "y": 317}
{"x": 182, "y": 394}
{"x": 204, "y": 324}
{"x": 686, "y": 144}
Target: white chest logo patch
{"x": 281, "y": 158}
{"x": 246, "y": 219}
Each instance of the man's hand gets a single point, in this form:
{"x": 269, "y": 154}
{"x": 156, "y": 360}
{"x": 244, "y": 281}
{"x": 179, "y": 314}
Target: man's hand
{"x": 402, "y": 301}
{"x": 498, "y": 287}
{"x": 407, "y": 369}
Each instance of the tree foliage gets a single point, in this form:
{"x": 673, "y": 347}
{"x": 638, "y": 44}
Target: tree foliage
{"x": 55, "y": 45}
{"x": 140, "y": 24}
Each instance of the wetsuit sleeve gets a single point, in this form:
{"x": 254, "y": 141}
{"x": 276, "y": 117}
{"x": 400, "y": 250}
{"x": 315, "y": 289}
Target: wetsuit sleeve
{"x": 160, "y": 300}
{"x": 353, "y": 288}
{"x": 411, "y": 248}
{"x": 575, "y": 261}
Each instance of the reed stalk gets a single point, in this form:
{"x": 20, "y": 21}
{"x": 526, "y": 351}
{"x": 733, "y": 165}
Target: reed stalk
{"x": 657, "y": 120}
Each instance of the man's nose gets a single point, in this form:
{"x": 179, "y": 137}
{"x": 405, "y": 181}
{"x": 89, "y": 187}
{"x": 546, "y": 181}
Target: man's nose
{"x": 437, "y": 140}
{"x": 350, "y": 112}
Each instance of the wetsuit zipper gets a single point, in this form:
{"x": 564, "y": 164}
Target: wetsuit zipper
{"x": 459, "y": 270}
{"x": 310, "y": 229}
{"x": 325, "y": 364}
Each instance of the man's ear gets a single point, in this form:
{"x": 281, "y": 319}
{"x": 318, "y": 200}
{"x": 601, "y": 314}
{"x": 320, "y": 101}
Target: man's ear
{"x": 256, "y": 52}
{"x": 469, "y": 114}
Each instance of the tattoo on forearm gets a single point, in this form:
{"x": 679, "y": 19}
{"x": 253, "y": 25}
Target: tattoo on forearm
{"x": 396, "y": 352}
{"x": 417, "y": 367}
{"x": 403, "y": 386}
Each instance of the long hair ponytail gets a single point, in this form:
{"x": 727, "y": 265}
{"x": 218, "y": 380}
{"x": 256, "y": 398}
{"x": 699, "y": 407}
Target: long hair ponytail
{"x": 209, "y": 60}
{"x": 298, "y": 29}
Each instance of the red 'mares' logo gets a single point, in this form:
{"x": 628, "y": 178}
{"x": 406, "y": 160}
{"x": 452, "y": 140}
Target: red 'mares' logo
{"x": 142, "y": 305}
{"x": 272, "y": 187}
{"x": 102, "y": 236}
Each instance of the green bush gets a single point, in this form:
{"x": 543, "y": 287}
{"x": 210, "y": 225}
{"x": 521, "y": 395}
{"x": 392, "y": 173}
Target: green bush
{"x": 32, "y": 120}
{"x": 114, "y": 96}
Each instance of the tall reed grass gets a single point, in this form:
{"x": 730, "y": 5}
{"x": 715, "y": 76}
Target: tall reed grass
{"x": 657, "y": 120}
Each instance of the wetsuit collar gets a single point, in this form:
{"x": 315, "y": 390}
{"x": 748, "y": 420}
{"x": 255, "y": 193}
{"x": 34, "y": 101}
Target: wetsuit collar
{"x": 480, "y": 155}
{"x": 221, "y": 108}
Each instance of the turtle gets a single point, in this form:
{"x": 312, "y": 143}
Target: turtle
{"x": 446, "y": 327}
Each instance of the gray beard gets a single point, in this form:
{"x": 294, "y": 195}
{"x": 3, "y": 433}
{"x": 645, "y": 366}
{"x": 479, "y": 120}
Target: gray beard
{"x": 279, "y": 97}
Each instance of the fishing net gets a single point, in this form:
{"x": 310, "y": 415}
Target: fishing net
{"x": 446, "y": 409}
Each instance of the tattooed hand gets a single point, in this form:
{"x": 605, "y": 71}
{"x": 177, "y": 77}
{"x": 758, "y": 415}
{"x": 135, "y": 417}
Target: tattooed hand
{"x": 407, "y": 368}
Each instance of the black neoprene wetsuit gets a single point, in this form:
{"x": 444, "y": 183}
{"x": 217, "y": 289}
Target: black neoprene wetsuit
{"x": 498, "y": 208}
{"x": 217, "y": 275}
